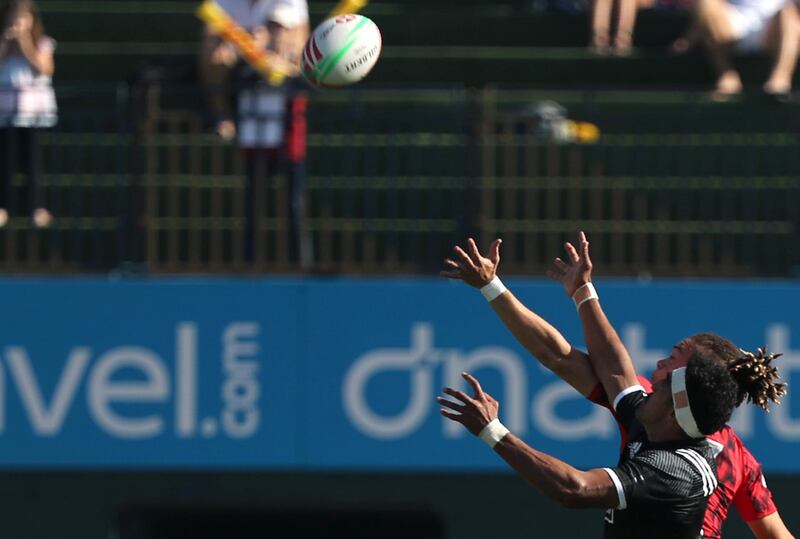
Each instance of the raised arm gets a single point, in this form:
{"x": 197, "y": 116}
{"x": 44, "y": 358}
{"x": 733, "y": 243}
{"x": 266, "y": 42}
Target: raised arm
{"x": 554, "y": 478}
{"x": 770, "y": 527}
{"x": 754, "y": 502}
{"x": 609, "y": 358}
{"x": 538, "y": 336}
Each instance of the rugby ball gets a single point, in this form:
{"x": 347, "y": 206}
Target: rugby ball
{"x": 341, "y": 51}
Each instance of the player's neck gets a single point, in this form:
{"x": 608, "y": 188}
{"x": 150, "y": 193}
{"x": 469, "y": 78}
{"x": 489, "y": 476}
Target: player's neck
{"x": 663, "y": 431}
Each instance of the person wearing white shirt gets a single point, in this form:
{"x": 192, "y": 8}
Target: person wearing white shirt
{"x": 27, "y": 103}
{"x": 270, "y": 120}
{"x": 745, "y": 26}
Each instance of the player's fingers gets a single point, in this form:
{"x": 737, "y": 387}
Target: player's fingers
{"x": 456, "y": 394}
{"x": 474, "y": 253}
{"x": 585, "y": 249}
{"x": 450, "y": 415}
{"x": 450, "y": 404}
{"x": 454, "y": 274}
{"x": 464, "y": 257}
{"x": 476, "y": 386}
{"x": 571, "y": 252}
{"x": 560, "y": 264}
{"x": 555, "y": 276}
{"x": 494, "y": 251}
{"x": 452, "y": 263}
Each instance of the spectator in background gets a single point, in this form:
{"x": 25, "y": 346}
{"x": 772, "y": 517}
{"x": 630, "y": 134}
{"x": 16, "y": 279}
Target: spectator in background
{"x": 725, "y": 26}
{"x": 27, "y": 103}
{"x": 621, "y": 14}
{"x": 270, "y": 122}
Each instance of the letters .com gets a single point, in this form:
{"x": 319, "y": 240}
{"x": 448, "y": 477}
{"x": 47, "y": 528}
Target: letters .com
{"x": 240, "y": 390}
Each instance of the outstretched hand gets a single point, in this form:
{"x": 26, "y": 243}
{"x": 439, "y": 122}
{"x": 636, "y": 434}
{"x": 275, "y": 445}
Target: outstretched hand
{"x": 473, "y": 412}
{"x": 471, "y": 266}
{"x": 577, "y": 270}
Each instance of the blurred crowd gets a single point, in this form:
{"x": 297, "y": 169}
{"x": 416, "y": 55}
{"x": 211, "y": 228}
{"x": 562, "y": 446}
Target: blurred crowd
{"x": 267, "y": 119}
{"x": 269, "y": 122}
{"x": 722, "y": 28}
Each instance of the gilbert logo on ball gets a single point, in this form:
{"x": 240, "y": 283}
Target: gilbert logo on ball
{"x": 341, "y": 51}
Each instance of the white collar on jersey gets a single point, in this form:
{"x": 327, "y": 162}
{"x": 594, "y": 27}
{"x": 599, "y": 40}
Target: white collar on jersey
{"x": 680, "y": 400}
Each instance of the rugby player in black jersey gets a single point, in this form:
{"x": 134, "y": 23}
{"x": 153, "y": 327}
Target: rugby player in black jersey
{"x": 659, "y": 488}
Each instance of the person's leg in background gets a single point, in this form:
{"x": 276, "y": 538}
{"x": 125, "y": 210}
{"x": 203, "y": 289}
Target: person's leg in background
{"x": 32, "y": 159}
{"x": 601, "y": 26}
{"x": 626, "y": 20}
{"x": 257, "y": 170}
{"x": 713, "y": 18}
{"x": 783, "y": 37}
{"x": 300, "y": 245}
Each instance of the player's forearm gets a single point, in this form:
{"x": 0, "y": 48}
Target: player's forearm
{"x": 552, "y": 477}
{"x": 546, "y": 343}
{"x": 770, "y": 527}
{"x": 610, "y": 360}
{"x": 537, "y": 335}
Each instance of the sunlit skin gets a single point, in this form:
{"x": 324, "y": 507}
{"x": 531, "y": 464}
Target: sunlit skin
{"x": 679, "y": 357}
{"x": 659, "y": 403}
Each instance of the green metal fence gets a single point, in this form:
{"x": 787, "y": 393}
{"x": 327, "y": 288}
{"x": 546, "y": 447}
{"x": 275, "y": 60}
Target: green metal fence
{"x": 675, "y": 185}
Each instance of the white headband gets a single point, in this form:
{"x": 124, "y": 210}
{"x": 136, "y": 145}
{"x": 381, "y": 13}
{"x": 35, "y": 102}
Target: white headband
{"x": 680, "y": 400}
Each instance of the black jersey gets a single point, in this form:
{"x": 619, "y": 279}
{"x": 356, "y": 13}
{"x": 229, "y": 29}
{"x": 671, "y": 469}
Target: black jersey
{"x": 663, "y": 487}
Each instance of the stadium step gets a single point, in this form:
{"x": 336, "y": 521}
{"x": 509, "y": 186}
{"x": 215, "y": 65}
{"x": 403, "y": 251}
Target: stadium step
{"x": 421, "y": 25}
{"x": 423, "y": 44}
{"x": 470, "y": 66}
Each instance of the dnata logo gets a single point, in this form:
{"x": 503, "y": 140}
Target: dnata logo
{"x": 520, "y": 409}
{"x": 422, "y": 359}
{"x": 128, "y": 375}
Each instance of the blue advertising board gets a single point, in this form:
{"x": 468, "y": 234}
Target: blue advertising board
{"x": 336, "y": 374}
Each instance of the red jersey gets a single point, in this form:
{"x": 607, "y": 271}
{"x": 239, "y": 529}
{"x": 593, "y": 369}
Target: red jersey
{"x": 741, "y": 481}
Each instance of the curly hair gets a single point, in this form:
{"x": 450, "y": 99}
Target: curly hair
{"x": 755, "y": 376}
{"x": 712, "y": 391}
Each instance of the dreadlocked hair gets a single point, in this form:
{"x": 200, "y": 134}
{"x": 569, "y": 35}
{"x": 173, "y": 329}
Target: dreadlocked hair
{"x": 756, "y": 378}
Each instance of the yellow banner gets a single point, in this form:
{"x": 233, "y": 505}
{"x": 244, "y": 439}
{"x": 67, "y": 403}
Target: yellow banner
{"x": 347, "y": 6}
{"x": 225, "y": 27}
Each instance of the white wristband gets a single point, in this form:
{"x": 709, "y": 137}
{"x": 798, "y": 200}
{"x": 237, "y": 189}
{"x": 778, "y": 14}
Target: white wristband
{"x": 492, "y": 290}
{"x": 584, "y": 294}
{"x": 493, "y": 432}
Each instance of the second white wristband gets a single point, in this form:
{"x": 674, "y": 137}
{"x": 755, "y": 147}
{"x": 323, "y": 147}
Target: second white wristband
{"x": 493, "y": 432}
{"x": 584, "y": 294}
{"x": 494, "y": 289}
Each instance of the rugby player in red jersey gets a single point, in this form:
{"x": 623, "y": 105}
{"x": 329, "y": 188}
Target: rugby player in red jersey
{"x": 740, "y": 474}
{"x": 741, "y": 480}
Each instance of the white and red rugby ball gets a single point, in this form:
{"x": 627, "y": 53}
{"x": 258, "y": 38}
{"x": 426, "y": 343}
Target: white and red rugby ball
{"x": 341, "y": 51}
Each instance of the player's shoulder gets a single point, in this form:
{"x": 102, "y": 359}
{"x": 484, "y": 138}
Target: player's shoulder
{"x": 725, "y": 435}
{"x": 629, "y": 399}
{"x": 702, "y": 466}
{"x": 677, "y": 455}
{"x": 726, "y": 440}
{"x": 690, "y": 468}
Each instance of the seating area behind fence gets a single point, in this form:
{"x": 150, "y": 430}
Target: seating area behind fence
{"x": 674, "y": 185}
